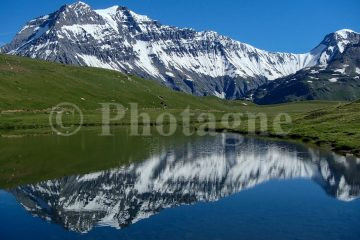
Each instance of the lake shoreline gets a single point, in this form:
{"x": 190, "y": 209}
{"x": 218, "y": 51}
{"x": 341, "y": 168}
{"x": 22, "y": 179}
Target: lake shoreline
{"x": 334, "y": 146}
{"x": 323, "y": 144}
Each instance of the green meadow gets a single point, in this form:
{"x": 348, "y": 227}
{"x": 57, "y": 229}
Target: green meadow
{"x": 30, "y": 88}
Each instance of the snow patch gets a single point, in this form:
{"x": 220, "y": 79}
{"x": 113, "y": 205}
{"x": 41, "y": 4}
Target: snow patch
{"x": 340, "y": 70}
{"x": 143, "y": 49}
{"x": 93, "y": 61}
{"x": 89, "y": 177}
{"x": 108, "y": 15}
{"x": 170, "y": 74}
{"x": 314, "y": 71}
{"x": 344, "y": 32}
{"x": 140, "y": 18}
{"x": 220, "y": 95}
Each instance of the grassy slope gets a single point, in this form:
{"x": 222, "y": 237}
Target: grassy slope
{"x": 33, "y": 85}
{"x": 338, "y": 127}
{"x": 29, "y": 88}
{"x": 335, "y": 127}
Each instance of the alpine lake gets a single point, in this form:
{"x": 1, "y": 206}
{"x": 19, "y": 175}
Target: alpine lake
{"x": 217, "y": 186}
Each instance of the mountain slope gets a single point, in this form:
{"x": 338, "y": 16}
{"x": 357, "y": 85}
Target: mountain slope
{"x": 338, "y": 80}
{"x": 201, "y": 63}
{"x": 29, "y": 84}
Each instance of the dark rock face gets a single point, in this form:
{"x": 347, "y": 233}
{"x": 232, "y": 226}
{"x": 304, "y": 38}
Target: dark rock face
{"x": 339, "y": 79}
{"x": 201, "y": 63}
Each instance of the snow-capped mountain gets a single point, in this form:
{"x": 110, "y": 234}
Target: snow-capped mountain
{"x": 338, "y": 80}
{"x": 184, "y": 175}
{"x": 201, "y": 63}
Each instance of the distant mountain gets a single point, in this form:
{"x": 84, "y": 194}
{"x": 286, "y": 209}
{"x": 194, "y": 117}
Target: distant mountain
{"x": 201, "y": 63}
{"x": 339, "y": 79}
{"x": 185, "y": 175}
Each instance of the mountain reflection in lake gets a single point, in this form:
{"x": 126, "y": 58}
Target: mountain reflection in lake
{"x": 203, "y": 171}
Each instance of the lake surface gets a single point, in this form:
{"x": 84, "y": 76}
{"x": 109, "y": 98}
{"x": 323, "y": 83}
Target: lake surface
{"x": 212, "y": 187}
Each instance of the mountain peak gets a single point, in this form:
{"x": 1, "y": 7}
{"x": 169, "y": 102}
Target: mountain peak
{"x": 339, "y": 40}
{"x": 79, "y": 5}
{"x": 110, "y": 11}
{"x": 340, "y": 35}
{"x": 125, "y": 13}
{"x": 120, "y": 39}
{"x": 344, "y": 32}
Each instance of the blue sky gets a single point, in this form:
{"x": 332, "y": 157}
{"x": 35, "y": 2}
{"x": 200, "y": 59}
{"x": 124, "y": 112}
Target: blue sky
{"x": 276, "y": 25}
